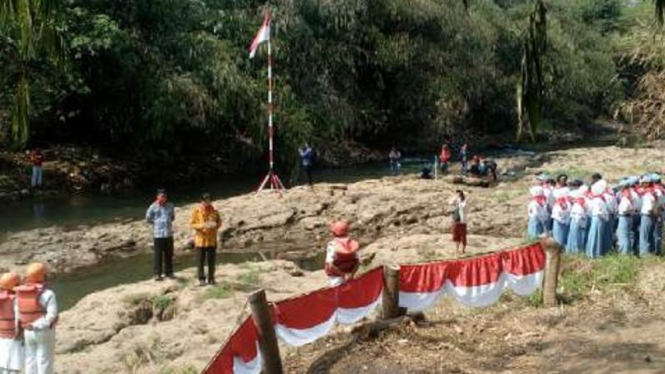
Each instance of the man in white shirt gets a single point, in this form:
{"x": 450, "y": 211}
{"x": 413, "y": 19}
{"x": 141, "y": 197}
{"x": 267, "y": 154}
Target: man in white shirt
{"x": 37, "y": 309}
{"x": 647, "y": 245}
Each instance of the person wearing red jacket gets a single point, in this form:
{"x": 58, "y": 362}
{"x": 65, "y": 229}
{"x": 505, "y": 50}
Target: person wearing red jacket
{"x": 341, "y": 255}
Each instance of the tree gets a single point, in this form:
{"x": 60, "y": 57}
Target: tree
{"x": 31, "y": 30}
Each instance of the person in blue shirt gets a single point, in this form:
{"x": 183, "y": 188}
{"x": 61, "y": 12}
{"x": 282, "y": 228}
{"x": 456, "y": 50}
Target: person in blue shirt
{"x": 464, "y": 158}
{"x": 307, "y": 161}
{"x": 161, "y": 215}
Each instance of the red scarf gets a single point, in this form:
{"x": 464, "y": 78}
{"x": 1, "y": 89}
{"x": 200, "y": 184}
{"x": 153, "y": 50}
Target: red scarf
{"x": 540, "y": 199}
{"x": 562, "y": 202}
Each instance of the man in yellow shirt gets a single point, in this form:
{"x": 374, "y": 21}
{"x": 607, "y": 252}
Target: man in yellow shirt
{"x": 206, "y": 222}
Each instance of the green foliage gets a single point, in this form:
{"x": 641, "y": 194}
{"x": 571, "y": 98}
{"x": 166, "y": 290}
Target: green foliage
{"x": 162, "y": 301}
{"x": 168, "y": 79}
{"x": 221, "y": 290}
{"x": 581, "y": 276}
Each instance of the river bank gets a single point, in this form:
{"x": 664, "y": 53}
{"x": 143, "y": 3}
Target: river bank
{"x": 149, "y": 327}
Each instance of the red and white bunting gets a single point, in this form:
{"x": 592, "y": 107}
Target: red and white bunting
{"x": 475, "y": 282}
{"x": 307, "y": 318}
{"x": 240, "y": 355}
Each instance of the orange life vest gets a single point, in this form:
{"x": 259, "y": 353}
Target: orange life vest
{"x": 29, "y": 307}
{"x": 7, "y": 322}
{"x": 346, "y": 256}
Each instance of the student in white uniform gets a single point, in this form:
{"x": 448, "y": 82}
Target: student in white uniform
{"x": 538, "y": 214}
{"x": 579, "y": 221}
{"x": 38, "y": 314}
{"x": 597, "y": 245}
{"x": 625, "y": 212}
{"x": 561, "y": 217}
{"x": 11, "y": 341}
{"x": 647, "y": 245}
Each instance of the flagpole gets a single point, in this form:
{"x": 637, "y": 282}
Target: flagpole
{"x": 271, "y": 178}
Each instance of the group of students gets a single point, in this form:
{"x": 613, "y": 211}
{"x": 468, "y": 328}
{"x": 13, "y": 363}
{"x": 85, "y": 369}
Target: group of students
{"x": 592, "y": 219}
{"x": 28, "y": 316}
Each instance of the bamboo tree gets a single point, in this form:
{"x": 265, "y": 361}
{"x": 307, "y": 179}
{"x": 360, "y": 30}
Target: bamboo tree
{"x": 31, "y": 26}
{"x": 530, "y": 86}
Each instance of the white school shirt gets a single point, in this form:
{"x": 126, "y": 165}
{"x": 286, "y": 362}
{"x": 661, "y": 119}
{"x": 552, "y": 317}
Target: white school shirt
{"x": 599, "y": 208}
{"x": 578, "y": 214}
{"x": 637, "y": 200}
{"x": 626, "y": 206}
{"x": 648, "y": 203}
{"x": 560, "y": 214}
{"x": 549, "y": 196}
{"x": 611, "y": 203}
{"x": 538, "y": 211}
{"x": 461, "y": 205}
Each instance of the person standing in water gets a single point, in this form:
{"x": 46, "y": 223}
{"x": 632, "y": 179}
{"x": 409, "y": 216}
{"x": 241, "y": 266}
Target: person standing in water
{"x": 395, "y": 156}
{"x": 458, "y": 204}
{"x": 307, "y": 161}
{"x": 38, "y": 314}
{"x": 342, "y": 260}
{"x": 161, "y": 215}
{"x": 36, "y": 159}
{"x": 206, "y": 222}
{"x": 11, "y": 341}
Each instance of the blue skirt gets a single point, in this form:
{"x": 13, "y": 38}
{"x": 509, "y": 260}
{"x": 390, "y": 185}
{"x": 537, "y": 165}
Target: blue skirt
{"x": 658, "y": 236}
{"x": 625, "y": 235}
{"x": 560, "y": 233}
{"x": 609, "y": 233}
{"x": 646, "y": 235}
{"x": 595, "y": 245}
{"x": 576, "y": 239}
{"x": 536, "y": 228}
{"x": 637, "y": 220}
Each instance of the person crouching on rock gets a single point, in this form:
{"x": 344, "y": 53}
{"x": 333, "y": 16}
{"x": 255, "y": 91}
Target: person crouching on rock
{"x": 11, "y": 339}
{"x": 38, "y": 315}
{"x": 206, "y": 222}
{"x": 341, "y": 255}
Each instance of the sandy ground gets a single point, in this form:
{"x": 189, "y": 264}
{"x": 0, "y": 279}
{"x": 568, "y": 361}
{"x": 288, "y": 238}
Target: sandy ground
{"x": 176, "y": 327}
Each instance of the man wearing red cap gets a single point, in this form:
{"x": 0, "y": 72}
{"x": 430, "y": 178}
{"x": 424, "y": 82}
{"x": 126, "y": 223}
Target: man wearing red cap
{"x": 341, "y": 255}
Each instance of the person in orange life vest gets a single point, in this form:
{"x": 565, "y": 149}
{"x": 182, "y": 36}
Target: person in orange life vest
{"x": 38, "y": 315}
{"x": 206, "y": 222}
{"x": 341, "y": 255}
{"x": 11, "y": 341}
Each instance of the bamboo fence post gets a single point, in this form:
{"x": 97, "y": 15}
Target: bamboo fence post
{"x": 552, "y": 262}
{"x": 391, "y": 293}
{"x": 272, "y": 362}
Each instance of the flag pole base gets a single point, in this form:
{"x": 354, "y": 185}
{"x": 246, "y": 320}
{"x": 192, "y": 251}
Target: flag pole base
{"x": 272, "y": 183}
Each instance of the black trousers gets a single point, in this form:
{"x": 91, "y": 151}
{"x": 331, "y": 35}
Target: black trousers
{"x": 308, "y": 173}
{"x": 163, "y": 254}
{"x": 208, "y": 254}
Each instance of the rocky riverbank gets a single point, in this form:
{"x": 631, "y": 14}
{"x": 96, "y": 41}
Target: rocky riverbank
{"x": 151, "y": 327}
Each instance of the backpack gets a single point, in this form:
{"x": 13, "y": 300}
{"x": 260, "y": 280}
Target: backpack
{"x": 456, "y": 215}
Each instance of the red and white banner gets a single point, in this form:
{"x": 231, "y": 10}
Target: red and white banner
{"x": 240, "y": 355}
{"x": 304, "y": 319}
{"x": 475, "y": 282}
{"x": 262, "y": 36}
{"x": 301, "y": 320}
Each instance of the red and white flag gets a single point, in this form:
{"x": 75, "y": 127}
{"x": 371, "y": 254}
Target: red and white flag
{"x": 262, "y": 36}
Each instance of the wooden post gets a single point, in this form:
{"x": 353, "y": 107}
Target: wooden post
{"x": 272, "y": 362}
{"x": 391, "y": 293}
{"x": 550, "y": 281}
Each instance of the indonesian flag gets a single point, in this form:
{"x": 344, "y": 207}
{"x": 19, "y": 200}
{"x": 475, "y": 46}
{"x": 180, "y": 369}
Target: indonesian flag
{"x": 262, "y": 36}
